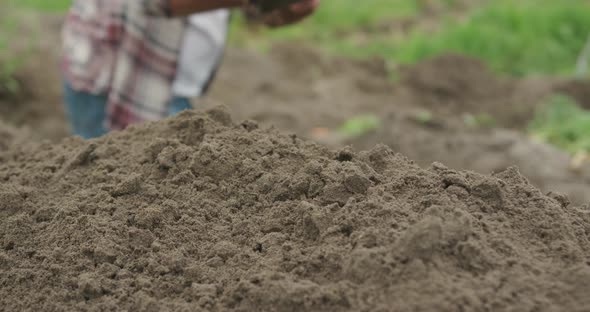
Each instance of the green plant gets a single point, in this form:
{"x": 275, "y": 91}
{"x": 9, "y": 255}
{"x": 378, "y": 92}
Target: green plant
{"x": 424, "y": 117}
{"x": 15, "y": 49}
{"x": 359, "y": 125}
{"x": 42, "y": 5}
{"x": 481, "y": 120}
{"x": 514, "y": 37}
{"x": 527, "y": 37}
{"x": 9, "y": 63}
{"x": 562, "y": 123}
{"x": 330, "y": 23}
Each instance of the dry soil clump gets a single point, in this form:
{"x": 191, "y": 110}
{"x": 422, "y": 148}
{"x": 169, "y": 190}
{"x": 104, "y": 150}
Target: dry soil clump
{"x": 197, "y": 212}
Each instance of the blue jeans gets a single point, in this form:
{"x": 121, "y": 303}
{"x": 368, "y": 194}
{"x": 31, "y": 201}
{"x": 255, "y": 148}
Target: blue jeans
{"x": 88, "y": 112}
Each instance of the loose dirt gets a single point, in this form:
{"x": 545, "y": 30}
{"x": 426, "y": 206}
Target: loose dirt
{"x": 482, "y": 150}
{"x": 10, "y": 136}
{"x": 452, "y": 85}
{"x": 197, "y": 212}
{"x": 298, "y": 89}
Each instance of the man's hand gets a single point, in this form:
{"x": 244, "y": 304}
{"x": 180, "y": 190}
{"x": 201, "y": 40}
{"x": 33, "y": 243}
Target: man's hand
{"x": 292, "y": 14}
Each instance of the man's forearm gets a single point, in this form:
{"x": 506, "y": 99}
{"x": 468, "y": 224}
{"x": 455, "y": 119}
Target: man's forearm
{"x": 187, "y": 7}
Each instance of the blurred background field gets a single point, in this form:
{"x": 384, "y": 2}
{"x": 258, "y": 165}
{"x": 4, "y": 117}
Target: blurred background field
{"x": 514, "y": 38}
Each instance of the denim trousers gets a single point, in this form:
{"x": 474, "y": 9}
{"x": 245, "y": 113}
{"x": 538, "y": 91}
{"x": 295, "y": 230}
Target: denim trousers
{"x": 87, "y": 112}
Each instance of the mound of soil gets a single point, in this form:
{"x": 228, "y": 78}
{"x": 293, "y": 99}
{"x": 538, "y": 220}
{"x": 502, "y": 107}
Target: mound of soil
{"x": 453, "y": 82}
{"x": 10, "y": 136}
{"x": 483, "y": 150}
{"x": 196, "y": 213}
{"x": 451, "y": 85}
{"x": 298, "y": 89}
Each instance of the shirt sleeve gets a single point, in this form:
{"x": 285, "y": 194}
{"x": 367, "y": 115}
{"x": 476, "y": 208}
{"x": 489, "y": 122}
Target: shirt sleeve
{"x": 157, "y": 7}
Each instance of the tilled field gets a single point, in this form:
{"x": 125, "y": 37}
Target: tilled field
{"x": 198, "y": 212}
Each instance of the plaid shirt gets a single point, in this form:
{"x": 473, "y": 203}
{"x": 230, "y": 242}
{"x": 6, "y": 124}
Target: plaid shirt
{"x": 127, "y": 49}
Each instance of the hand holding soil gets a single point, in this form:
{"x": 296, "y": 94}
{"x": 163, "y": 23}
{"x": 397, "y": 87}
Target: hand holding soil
{"x": 285, "y": 12}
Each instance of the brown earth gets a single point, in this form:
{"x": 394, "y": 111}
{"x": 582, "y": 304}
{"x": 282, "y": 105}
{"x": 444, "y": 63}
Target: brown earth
{"x": 10, "y": 136}
{"x": 452, "y": 85}
{"x": 295, "y": 80}
{"x": 38, "y": 105}
{"x": 197, "y": 212}
{"x": 298, "y": 89}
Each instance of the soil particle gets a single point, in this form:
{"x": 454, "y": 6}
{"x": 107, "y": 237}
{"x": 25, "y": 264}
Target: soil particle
{"x": 11, "y": 137}
{"x": 130, "y": 185}
{"x": 199, "y": 213}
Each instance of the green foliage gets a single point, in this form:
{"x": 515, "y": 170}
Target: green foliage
{"x": 424, "y": 117}
{"x": 10, "y": 59}
{"x": 482, "y": 120}
{"x": 330, "y": 23}
{"x": 527, "y": 37}
{"x": 342, "y": 15}
{"x": 9, "y": 63}
{"x": 563, "y": 123}
{"x": 359, "y": 125}
{"x": 514, "y": 37}
{"x": 43, "y": 5}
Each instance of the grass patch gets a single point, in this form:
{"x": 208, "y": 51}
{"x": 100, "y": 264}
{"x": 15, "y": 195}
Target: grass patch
{"x": 527, "y": 37}
{"x": 43, "y": 5}
{"x": 10, "y": 62}
{"x": 514, "y": 37}
{"x": 563, "y": 123}
{"x": 334, "y": 17}
{"x": 329, "y": 24}
{"x": 518, "y": 38}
